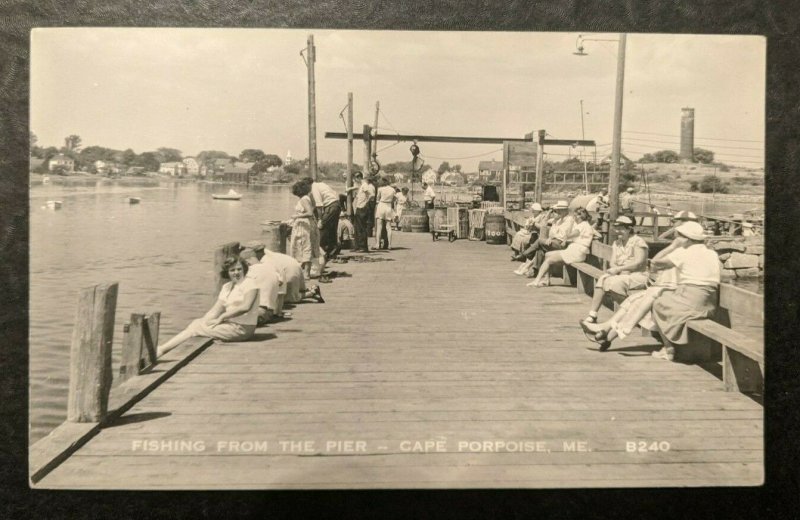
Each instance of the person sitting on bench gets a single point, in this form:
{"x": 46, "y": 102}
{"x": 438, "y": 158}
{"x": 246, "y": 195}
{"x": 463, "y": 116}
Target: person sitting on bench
{"x": 697, "y": 292}
{"x": 580, "y": 241}
{"x": 560, "y": 229}
{"x": 525, "y": 235}
{"x": 635, "y": 310}
{"x": 627, "y": 269}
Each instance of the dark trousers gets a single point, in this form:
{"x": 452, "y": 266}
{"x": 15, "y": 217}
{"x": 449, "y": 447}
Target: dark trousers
{"x": 361, "y": 227}
{"x": 328, "y": 234}
{"x": 540, "y": 247}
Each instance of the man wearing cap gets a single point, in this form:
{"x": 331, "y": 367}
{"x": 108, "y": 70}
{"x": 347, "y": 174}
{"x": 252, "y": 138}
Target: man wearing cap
{"x": 678, "y": 219}
{"x": 560, "y": 230}
{"x": 626, "y": 202}
{"x": 695, "y": 297}
{"x": 364, "y": 193}
{"x": 627, "y": 268}
{"x": 327, "y": 210}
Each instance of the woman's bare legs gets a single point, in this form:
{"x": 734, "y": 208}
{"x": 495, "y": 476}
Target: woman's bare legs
{"x": 550, "y": 258}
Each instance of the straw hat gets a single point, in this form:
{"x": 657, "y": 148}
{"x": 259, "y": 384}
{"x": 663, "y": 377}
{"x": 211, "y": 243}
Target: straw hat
{"x": 685, "y": 215}
{"x": 691, "y": 230}
{"x": 622, "y": 220}
{"x": 629, "y": 190}
{"x": 536, "y": 206}
{"x": 561, "y": 204}
{"x": 255, "y": 245}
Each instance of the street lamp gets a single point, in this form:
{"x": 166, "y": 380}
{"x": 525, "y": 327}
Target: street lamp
{"x": 613, "y": 177}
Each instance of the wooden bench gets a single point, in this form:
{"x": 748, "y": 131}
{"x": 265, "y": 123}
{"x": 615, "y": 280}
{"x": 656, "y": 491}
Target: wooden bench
{"x": 742, "y": 356}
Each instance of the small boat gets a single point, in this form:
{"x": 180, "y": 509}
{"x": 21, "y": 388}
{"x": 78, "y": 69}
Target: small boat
{"x": 133, "y": 200}
{"x": 54, "y": 204}
{"x": 45, "y": 179}
{"x": 231, "y": 195}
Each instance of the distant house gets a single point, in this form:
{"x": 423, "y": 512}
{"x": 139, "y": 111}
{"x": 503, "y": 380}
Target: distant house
{"x": 175, "y": 169}
{"x": 451, "y": 178}
{"x": 490, "y": 170}
{"x": 192, "y": 166}
{"x": 429, "y": 176}
{"x": 237, "y": 172}
{"x": 63, "y": 161}
{"x": 623, "y": 161}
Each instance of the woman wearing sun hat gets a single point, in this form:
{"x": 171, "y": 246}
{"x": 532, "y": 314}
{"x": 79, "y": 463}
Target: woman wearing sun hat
{"x": 698, "y": 272}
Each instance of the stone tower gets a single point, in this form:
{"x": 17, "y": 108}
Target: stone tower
{"x": 687, "y": 135}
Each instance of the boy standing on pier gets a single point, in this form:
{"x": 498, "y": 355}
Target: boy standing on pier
{"x": 326, "y": 201}
{"x": 365, "y": 192}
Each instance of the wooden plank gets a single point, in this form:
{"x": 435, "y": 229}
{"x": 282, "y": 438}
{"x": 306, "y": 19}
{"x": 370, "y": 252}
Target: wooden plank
{"x": 455, "y": 364}
{"x": 744, "y": 345}
{"x": 740, "y": 372}
{"x": 90, "y": 353}
{"x": 52, "y": 450}
{"x": 741, "y": 301}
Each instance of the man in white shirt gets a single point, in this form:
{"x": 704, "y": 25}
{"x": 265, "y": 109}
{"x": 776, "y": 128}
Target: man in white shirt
{"x": 430, "y": 195}
{"x": 555, "y": 239}
{"x": 364, "y": 193}
{"x": 326, "y": 201}
{"x": 599, "y": 202}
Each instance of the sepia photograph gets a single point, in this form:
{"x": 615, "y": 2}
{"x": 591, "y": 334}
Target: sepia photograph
{"x": 372, "y": 259}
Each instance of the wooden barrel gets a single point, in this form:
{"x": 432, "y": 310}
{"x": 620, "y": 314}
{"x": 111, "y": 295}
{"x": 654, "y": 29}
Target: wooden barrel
{"x": 495, "y": 229}
{"x": 414, "y": 220}
{"x": 274, "y": 235}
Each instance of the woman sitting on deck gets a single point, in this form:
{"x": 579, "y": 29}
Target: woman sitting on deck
{"x": 580, "y": 240}
{"x": 234, "y": 315}
{"x": 628, "y": 265}
{"x": 698, "y": 271}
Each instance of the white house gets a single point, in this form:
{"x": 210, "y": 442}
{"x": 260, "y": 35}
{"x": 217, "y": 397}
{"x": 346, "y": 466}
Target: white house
{"x": 61, "y": 160}
{"x": 490, "y": 170}
{"x": 174, "y": 169}
{"x": 429, "y": 176}
{"x": 192, "y": 166}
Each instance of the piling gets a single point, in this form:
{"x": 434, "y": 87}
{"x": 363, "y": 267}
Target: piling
{"x": 90, "y": 353}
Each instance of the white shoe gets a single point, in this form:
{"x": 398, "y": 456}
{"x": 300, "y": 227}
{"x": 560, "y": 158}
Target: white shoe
{"x": 518, "y": 272}
{"x": 663, "y": 354}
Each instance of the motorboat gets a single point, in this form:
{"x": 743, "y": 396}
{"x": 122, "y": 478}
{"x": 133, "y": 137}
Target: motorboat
{"x": 133, "y": 200}
{"x": 231, "y": 195}
{"x": 54, "y": 204}
{"x": 45, "y": 179}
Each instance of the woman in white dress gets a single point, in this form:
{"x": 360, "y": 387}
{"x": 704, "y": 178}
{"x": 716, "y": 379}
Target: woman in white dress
{"x": 233, "y": 316}
{"x": 304, "y": 241}
{"x": 580, "y": 240}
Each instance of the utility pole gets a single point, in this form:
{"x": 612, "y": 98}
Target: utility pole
{"x": 583, "y": 152}
{"x": 613, "y": 178}
{"x": 367, "y": 135}
{"x": 311, "y": 52}
{"x": 374, "y": 153}
{"x": 537, "y": 193}
{"x": 349, "y": 152}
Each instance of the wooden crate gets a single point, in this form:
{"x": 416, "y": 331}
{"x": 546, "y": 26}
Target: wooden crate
{"x": 458, "y": 218}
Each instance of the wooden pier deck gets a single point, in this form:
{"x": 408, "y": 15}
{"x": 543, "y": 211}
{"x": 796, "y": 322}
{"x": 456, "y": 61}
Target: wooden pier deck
{"x": 438, "y": 348}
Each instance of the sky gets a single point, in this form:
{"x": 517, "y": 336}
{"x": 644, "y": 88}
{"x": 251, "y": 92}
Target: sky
{"x": 232, "y": 89}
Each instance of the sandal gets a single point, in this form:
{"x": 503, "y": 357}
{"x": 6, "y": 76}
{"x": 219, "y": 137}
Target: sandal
{"x": 592, "y": 335}
{"x": 604, "y": 345}
{"x": 663, "y": 354}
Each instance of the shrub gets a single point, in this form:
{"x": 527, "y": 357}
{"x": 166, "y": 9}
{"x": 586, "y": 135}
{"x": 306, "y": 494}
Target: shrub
{"x": 693, "y": 186}
{"x": 712, "y": 184}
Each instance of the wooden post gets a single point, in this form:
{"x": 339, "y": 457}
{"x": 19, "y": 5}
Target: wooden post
{"x": 349, "y": 152}
{"x": 220, "y": 254}
{"x": 90, "y": 353}
{"x": 312, "y": 109}
{"x": 152, "y": 324}
{"x": 537, "y": 193}
{"x": 505, "y": 176}
{"x": 130, "y": 360}
{"x": 367, "y": 148}
{"x": 613, "y": 175}
{"x": 374, "y": 152}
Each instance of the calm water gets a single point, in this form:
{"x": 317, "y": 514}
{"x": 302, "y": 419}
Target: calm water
{"x": 160, "y": 251}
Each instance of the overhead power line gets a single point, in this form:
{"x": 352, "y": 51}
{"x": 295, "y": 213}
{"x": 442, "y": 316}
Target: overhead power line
{"x": 696, "y": 137}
